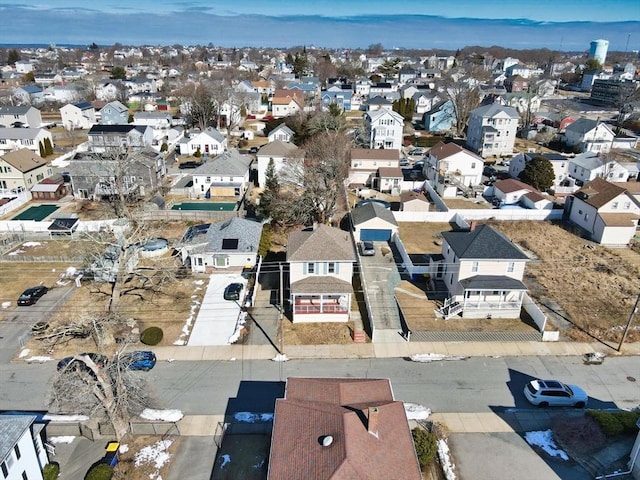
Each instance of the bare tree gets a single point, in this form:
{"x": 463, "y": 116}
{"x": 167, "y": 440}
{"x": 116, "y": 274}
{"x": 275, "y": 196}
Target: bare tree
{"x": 201, "y": 108}
{"x": 464, "y": 95}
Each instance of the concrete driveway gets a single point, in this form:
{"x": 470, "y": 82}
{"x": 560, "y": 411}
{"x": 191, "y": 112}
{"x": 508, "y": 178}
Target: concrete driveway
{"x": 217, "y": 317}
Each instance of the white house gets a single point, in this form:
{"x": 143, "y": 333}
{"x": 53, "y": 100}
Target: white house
{"x": 588, "y": 165}
{"x": 448, "y": 164}
{"x": 208, "y": 142}
{"x": 383, "y": 129}
{"x": 157, "y": 120}
{"x": 589, "y": 135}
{"x": 20, "y": 116}
{"x": 559, "y": 162}
{"x": 17, "y": 138}
{"x": 277, "y": 151}
{"x": 373, "y": 222}
{"x": 607, "y": 212}
{"x": 226, "y": 175}
{"x": 414, "y": 201}
{"x": 511, "y": 191}
{"x": 282, "y": 133}
{"x": 366, "y": 161}
{"x": 286, "y": 103}
{"x": 78, "y": 116}
{"x": 482, "y": 270}
{"x": 22, "y": 451}
{"x": 228, "y": 244}
{"x": 492, "y": 130}
{"x": 320, "y": 274}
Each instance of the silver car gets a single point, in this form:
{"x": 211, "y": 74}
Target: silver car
{"x": 367, "y": 249}
{"x": 546, "y": 393}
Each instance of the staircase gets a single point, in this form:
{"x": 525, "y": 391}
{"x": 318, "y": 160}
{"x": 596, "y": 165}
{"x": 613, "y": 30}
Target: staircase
{"x": 449, "y": 309}
{"x": 359, "y": 336}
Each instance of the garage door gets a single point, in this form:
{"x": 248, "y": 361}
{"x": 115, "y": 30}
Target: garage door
{"x": 375, "y": 235}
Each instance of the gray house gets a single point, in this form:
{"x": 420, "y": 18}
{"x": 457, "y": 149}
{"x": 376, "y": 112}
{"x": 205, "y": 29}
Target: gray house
{"x": 104, "y": 137}
{"x": 114, "y": 113}
{"x": 20, "y": 116}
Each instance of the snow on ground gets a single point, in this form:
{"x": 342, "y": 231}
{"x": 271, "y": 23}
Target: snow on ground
{"x": 415, "y": 411}
{"x": 6, "y": 304}
{"x": 434, "y": 357}
{"x": 124, "y": 448}
{"x": 38, "y": 359}
{"x": 31, "y": 244}
{"x": 226, "y": 459}
{"x": 249, "y": 417}
{"x": 16, "y": 252}
{"x": 445, "y": 460}
{"x": 65, "y": 418}
{"x": 544, "y": 440}
{"x": 281, "y": 357}
{"x": 24, "y": 353}
{"x": 62, "y": 439}
{"x": 186, "y": 328}
{"x": 242, "y": 319}
{"x": 163, "y": 415}
{"x": 156, "y": 455}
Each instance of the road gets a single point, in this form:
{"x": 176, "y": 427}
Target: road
{"x": 473, "y": 385}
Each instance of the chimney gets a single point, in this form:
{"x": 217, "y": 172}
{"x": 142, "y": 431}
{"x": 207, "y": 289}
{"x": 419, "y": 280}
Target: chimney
{"x": 373, "y": 421}
{"x": 472, "y": 226}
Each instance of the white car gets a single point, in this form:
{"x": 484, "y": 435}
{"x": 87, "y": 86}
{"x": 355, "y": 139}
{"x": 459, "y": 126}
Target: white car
{"x": 545, "y": 393}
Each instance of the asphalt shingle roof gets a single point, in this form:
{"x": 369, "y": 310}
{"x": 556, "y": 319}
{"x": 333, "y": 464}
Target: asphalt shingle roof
{"x": 11, "y": 429}
{"x": 483, "y": 243}
{"x": 324, "y": 243}
{"x": 229, "y": 163}
{"x": 372, "y": 210}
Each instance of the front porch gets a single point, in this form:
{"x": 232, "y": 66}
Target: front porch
{"x": 329, "y": 304}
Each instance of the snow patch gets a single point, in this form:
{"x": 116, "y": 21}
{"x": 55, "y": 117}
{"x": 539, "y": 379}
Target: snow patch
{"x": 281, "y": 357}
{"x": 62, "y": 439}
{"x": 163, "y": 415}
{"x": 415, "y": 411}
{"x": 435, "y": 357}
{"x": 6, "y": 304}
{"x": 242, "y": 320}
{"x": 16, "y": 252}
{"x": 38, "y": 359}
{"x": 226, "y": 460}
{"x": 445, "y": 459}
{"x": 24, "y": 353}
{"x": 156, "y": 455}
{"x": 249, "y": 417}
{"x": 31, "y": 244}
{"x": 124, "y": 448}
{"x": 65, "y": 418}
{"x": 199, "y": 282}
{"x": 544, "y": 440}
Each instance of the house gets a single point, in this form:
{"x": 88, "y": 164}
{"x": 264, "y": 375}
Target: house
{"x": 100, "y": 175}
{"x": 228, "y": 244}
{"x": 441, "y": 118}
{"x": 340, "y": 97}
{"x": 78, "y": 116}
{"x": 559, "y": 162}
{"x": 449, "y": 167}
{"x": 50, "y": 189}
{"x": 286, "y": 103}
{"x": 114, "y": 113}
{"x": 226, "y": 175}
{"x": 22, "y": 450}
{"x": 388, "y": 180}
{"x": 589, "y": 135}
{"x": 510, "y": 191}
{"x": 587, "y": 166}
{"x": 383, "y": 129}
{"x": 608, "y": 213}
{"x": 536, "y": 201}
{"x": 378, "y": 103}
{"x": 155, "y": 120}
{"x": 104, "y": 137}
{"x": 482, "y": 270}
{"x": 373, "y": 222}
{"x": 282, "y": 133}
{"x": 492, "y": 130}
{"x": 516, "y": 84}
{"x": 320, "y": 274}
{"x": 29, "y": 138}
{"x": 208, "y": 142}
{"x": 69, "y": 93}
{"x": 21, "y": 170}
{"x": 414, "y": 201}
{"x": 425, "y": 101}
{"x": 365, "y": 163}
{"x": 29, "y": 94}
{"x": 109, "y": 91}
{"x": 341, "y": 428}
{"x": 277, "y": 151}
{"x": 20, "y": 116}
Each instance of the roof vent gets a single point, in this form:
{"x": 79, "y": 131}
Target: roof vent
{"x": 326, "y": 440}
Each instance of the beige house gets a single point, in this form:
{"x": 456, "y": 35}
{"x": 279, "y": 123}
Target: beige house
{"x": 320, "y": 274}
{"x": 414, "y": 202}
{"x": 365, "y": 163}
{"x": 22, "y": 170}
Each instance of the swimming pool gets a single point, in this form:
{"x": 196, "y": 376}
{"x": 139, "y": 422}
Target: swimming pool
{"x": 37, "y": 212}
{"x": 208, "y": 206}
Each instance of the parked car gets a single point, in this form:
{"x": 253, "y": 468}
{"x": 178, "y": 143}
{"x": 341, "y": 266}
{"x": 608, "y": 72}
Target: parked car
{"x": 489, "y": 171}
{"x": 31, "y": 295}
{"x": 404, "y": 162}
{"x": 139, "y": 360}
{"x": 68, "y": 362}
{"x": 188, "y": 165}
{"x": 233, "y": 291}
{"x": 367, "y": 249}
{"x": 417, "y": 151}
{"x": 253, "y": 150}
{"x": 545, "y": 393}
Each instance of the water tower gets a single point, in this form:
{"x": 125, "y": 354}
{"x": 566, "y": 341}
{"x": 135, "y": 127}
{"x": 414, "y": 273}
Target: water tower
{"x": 598, "y": 50}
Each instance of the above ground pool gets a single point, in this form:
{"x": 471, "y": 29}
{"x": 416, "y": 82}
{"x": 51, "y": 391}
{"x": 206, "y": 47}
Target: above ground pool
{"x": 37, "y": 212}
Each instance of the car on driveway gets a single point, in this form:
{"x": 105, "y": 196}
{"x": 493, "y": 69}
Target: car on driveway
{"x": 553, "y": 393}
{"x": 233, "y": 291}
{"x": 31, "y": 295}
{"x": 139, "y": 360}
{"x": 69, "y": 362}
{"x": 367, "y": 249}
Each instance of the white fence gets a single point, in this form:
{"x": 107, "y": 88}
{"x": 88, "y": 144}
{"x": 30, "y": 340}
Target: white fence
{"x": 21, "y": 199}
{"x": 460, "y": 216}
{"x": 435, "y": 198}
{"x": 31, "y": 226}
{"x": 539, "y": 318}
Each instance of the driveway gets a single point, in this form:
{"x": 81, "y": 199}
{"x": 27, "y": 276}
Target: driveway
{"x": 217, "y": 317}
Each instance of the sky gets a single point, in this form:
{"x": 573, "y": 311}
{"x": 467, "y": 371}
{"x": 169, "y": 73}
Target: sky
{"x": 565, "y": 25}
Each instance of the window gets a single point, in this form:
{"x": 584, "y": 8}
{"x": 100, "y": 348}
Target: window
{"x": 17, "y": 450}
{"x": 614, "y": 205}
{"x": 473, "y": 164}
{"x": 511, "y": 266}
{"x": 24, "y": 476}
{"x": 5, "y": 470}
{"x": 474, "y": 267}
{"x": 311, "y": 268}
{"x": 626, "y": 205}
{"x": 331, "y": 267}
{"x": 208, "y": 180}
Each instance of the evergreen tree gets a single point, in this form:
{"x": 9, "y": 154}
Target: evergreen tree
{"x": 48, "y": 147}
{"x": 538, "y": 172}
{"x": 41, "y": 148}
{"x": 271, "y": 192}
{"x": 13, "y": 56}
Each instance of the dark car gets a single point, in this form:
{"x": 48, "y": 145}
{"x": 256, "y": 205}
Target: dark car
{"x": 489, "y": 171}
{"x": 253, "y": 150}
{"x": 31, "y": 295}
{"x": 70, "y": 362}
{"x": 188, "y": 165}
{"x": 139, "y": 360}
{"x": 233, "y": 291}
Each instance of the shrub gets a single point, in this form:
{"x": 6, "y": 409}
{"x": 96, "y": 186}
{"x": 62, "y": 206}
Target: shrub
{"x": 151, "y": 336}
{"x": 51, "y": 471}
{"x": 615, "y": 423}
{"x": 627, "y": 420}
{"x": 101, "y": 471}
{"x": 198, "y": 153}
{"x": 265, "y": 240}
{"x": 426, "y": 446}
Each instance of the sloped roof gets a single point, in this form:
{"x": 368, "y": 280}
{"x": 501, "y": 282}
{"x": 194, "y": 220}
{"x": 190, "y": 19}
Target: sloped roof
{"x": 582, "y": 125}
{"x": 443, "y": 150}
{"x": 483, "y": 243}
{"x": 19, "y": 133}
{"x": 246, "y": 232}
{"x": 492, "y": 282}
{"x": 117, "y": 106}
{"x": 372, "y": 210}
{"x": 14, "y": 110}
{"x": 12, "y": 427}
{"x": 278, "y": 148}
{"x": 411, "y": 195}
{"x": 324, "y": 243}
{"x": 321, "y": 284}
{"x": 390, "y": 172}
{"x": 619, "y": 219}
{"x": 598, "y": 192}
{"x": 227, "y": 163}
{"x": 99, "y": 129}
{"x": 24, "y": 160}
{"x": 510, "y": 185}
{"x": 283, "y": 127}
{"x": 368, "y": 431}
{"x": 374, "y": 154}
{"x": 494, "y": 109}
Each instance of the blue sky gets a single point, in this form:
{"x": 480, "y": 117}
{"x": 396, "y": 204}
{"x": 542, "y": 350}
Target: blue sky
{"x": 554, "y": 24}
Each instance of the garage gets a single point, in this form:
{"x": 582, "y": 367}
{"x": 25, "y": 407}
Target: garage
{"x": 375, "y": 235}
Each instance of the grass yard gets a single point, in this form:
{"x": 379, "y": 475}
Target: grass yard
{"x": 423, "y": 237}
{"x": 595, "y": 286}
{"x": 469, "y": 204}
{"x": 328, "y": 333}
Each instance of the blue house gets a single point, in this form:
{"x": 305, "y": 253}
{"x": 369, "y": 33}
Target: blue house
{"x": 441, "y": 118}
{"x": 342, "y": 98}
{"x": 114, "y": 113}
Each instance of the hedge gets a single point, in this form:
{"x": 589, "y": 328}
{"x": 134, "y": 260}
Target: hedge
{"x": 615, "y": 423}
{"x": 151, "y": 336}
{"x": 426, "y": 446}
{"x": 51, "y": 471}
{"x": 101, "y": 471}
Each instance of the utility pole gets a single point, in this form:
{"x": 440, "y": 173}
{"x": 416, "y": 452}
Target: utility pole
{"x": 628, "y": 326}
{"x": 280, "y": 347}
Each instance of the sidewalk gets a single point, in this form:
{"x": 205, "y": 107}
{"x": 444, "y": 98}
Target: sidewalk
{"x": 389, "y": 350}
